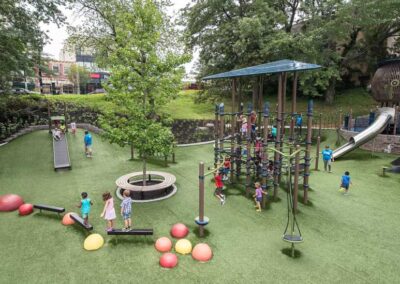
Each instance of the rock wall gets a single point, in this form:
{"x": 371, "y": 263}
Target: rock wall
{"x": 379, "y": 144}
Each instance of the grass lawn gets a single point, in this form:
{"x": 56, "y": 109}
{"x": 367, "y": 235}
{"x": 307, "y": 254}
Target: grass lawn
{"x": 347, "y": 239}
{"x": 184, "y": 106}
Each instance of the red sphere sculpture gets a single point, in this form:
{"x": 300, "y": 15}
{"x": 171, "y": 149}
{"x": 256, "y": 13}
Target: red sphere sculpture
{"x": 202, "y": 252}
{"x": 10, "y": 202}
{"x": 25, "y": 209}
{"x": 168, "y": 260}
{"x": 179, "y": 231}
{"x": 163, "y": 244}
{"x": 67, "y": 220}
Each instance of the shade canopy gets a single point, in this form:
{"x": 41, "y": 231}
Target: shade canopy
{"x": 267, "y": 68}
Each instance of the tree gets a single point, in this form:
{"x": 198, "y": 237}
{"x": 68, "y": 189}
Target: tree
{"x": 21, "y": 40}
{"x": 337, "y": 34}
{"x": 79, "y": 76}
{"x": 146, "y": 74}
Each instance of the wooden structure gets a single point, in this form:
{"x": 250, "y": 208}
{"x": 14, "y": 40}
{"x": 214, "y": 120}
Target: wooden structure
{"x": 385, "y": 84}
{"x": 282, "y": 69}
{"x": 159, "y": 185}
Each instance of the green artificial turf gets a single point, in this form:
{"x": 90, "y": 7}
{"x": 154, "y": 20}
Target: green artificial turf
{"x": 347, "y": 239}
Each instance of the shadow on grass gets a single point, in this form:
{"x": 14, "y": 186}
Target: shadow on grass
{"x": 288, "y": 252}
{"x": 49, "y": 215}
{"x": 130, "y": 240}
{"x": 196, "y": 231}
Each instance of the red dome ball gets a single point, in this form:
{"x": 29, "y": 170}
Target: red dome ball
{"x": 168, "y": 260}
{"x": 67, "y": 220}
{"x": 10, "y": 202}
{"x": 25, "y": 209}
{"x": 202, "y": 252}
{"x": 179, "y": 231}
{"x": 163, "y": 244}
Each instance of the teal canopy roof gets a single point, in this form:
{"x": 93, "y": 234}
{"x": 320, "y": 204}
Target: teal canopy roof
{"x": 267, "y": 68}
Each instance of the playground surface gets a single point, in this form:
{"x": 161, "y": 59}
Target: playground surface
{"x": 348, "y": 239}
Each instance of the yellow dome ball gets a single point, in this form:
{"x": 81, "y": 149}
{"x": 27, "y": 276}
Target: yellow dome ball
{"x": 93, "y": 242}
{"x": 183, "y": 246}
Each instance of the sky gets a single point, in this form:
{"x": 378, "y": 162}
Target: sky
{"x": 59, "y": 34}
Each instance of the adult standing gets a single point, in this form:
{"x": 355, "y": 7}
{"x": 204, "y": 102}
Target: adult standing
{"x": 88, "y": 144}
{"x": 327, "y": 156}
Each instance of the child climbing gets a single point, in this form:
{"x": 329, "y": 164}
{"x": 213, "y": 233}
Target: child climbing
{"x": 253, "y": 121}
{"x": 244, "y": 125}
{"x": 299, "y": 121}
{"x": 219, "y": 185}
{"x": 345, "y": 182}
{"x": 85, "y": 206}
{"x": 126, "y": 210}
{"x": 258, "y": 196}
{"x": 108, "y": 212}
{"x": 227, "y": 168}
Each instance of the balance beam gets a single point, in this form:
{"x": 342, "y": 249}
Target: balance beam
{"x": 49, "y": 208}
{"x": 81, "y": 222}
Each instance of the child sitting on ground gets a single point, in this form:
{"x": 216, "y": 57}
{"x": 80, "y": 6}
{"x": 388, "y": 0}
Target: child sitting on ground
{"x": 108, "y": 211}
{"x": 258, "y": 196}
{"x": 227, "y": 168}
{"x": 345, "y": 182}
{"x": 219, "y": 185}
{"x": 85, "y": 206}
{"x": 126, "y": 210}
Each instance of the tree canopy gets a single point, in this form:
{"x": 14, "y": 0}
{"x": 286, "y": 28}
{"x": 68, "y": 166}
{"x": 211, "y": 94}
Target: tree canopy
{"x": 21, "y": 39}
{"x": 346, "y": 37}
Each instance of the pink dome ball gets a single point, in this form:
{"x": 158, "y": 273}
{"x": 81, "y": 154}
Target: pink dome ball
{"x": 202, "y": 252}
{"x": 67, "y": 220}
{"x": 179, "y": 231}
{"x": 10, "y": 202}
{"x": 168, "y": 260}
{"x": 163, "y": 244}
{"x": 25, "y": 209}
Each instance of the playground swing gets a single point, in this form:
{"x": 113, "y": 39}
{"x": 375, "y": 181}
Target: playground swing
{"x": 292, "y": 233}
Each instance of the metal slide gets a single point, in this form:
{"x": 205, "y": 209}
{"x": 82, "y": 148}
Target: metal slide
{"x": 61, "y": 153}
{"x": 385, "y": 116}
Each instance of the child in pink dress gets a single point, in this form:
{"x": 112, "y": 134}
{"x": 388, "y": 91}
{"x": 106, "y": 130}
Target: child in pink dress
{"x": 108, "y": 211}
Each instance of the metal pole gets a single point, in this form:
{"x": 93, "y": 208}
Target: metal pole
{"x": 318, "y": 142}
{"x": 216, "y": 136}
{"x": 296, "y": 178}
{"x": 294, "y": 101}
{"x": 307, "y": 158}
{"x": 233, "y": 127}
{"x": 221, "y": 131}
{"x": 248, "y": 149}
{"x": 201, "y": 198}
{"x": 264, "y": 152}
{"x": 277, "y": 157}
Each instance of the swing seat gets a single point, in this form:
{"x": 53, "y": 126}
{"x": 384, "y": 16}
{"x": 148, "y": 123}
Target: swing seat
{"x": 292, "y": 238}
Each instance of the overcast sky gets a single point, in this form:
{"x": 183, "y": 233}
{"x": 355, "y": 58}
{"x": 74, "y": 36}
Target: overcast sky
{"x": 59, "y": 35}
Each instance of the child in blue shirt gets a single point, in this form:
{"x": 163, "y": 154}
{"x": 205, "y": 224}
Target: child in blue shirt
{"x": 345, "y": 182}
{"x": 327, "y": 158}
{"x": 85, "y": 206}
{"x": 88, "y": 144}
{"x": 126, "y": 210}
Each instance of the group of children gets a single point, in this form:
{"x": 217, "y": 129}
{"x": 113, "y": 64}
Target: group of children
{"x": 108, "y": 212}
{"x": 327, "y": 158}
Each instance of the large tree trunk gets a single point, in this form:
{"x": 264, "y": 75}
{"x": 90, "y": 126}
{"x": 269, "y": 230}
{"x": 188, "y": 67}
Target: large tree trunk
{"x": 330, "y": 92}
{"x": 144, "y": 169}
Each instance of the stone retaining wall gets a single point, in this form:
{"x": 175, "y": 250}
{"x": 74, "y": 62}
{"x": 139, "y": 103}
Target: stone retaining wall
{"x": 379, "y": 144}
